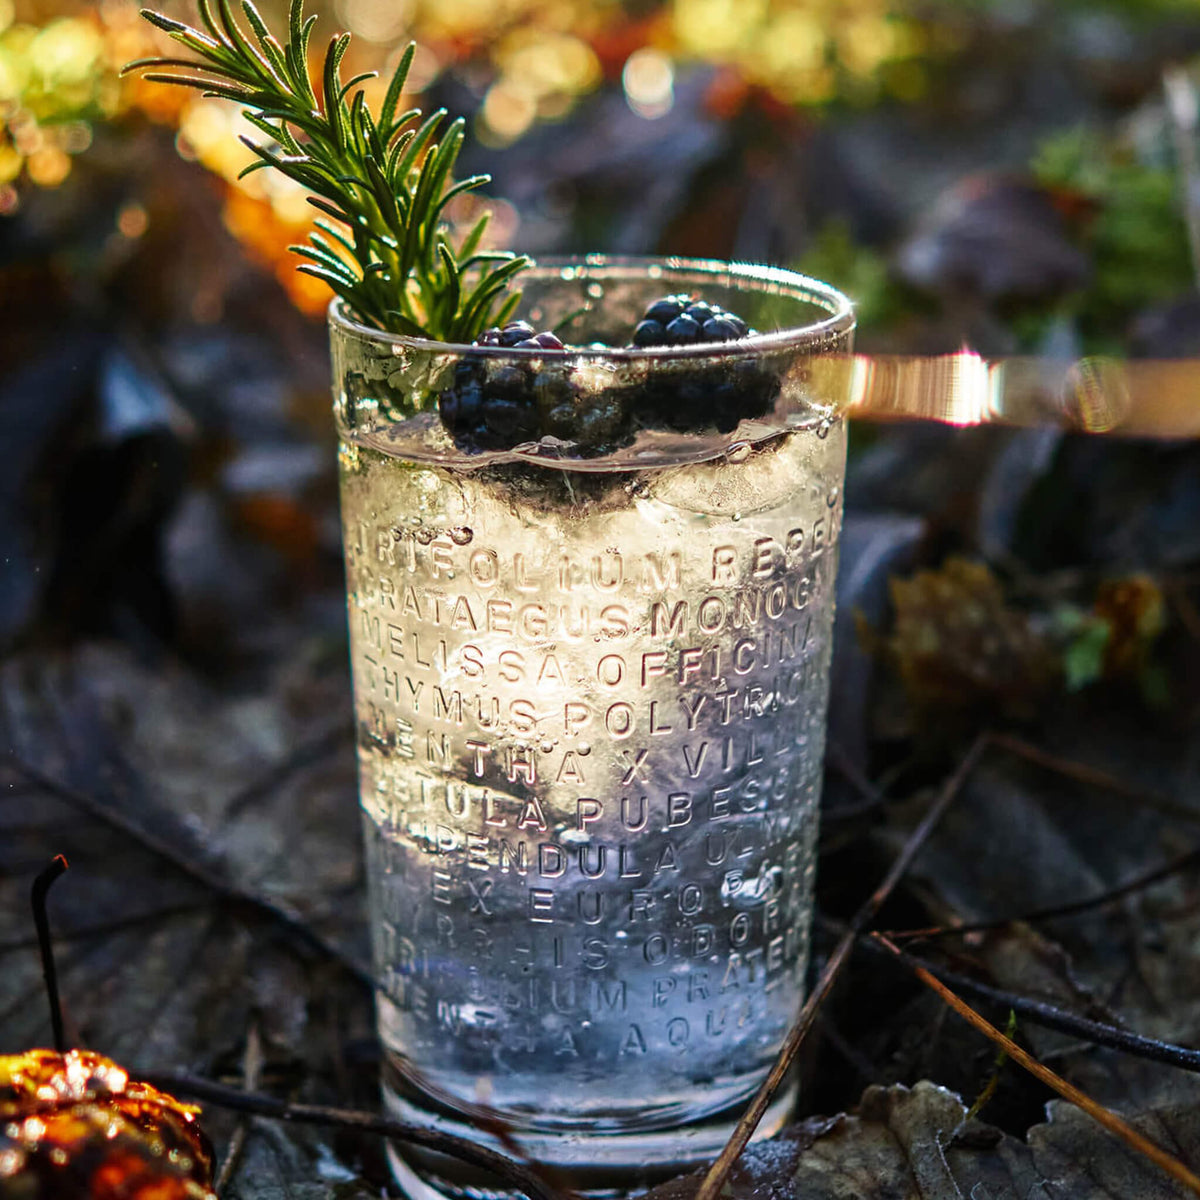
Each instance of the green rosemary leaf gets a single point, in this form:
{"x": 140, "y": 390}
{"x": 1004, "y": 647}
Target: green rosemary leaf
{"x": 165, "y": 23}
{"x": 271, "y": 49}
{"x": 420, "y": 139}
{"x": 193, "y": 39}
{"x": 331, "y": 251}
{"x": 204, "y": 7}
{"x": 453, "y": 293}
{"x": 331, "y": 210}
{"x": 479, "y": 304}
{"x": 392, "y": 169}
{"x": 329, "y": 261}
{"x": 381, "y": 182}
{"x": 297, "y": 52}
{"x": 186, "y": 63}
{"x": 371, "y": 142}
{"x": 335, "y": 233}
{"x": 360, "y": 78}
{"x": 405, "y": 324}
{"x": 299, "y": 168}
{"x": 296, "y": 23}
{"x": 392, "y": 132}
{"x": 237, "y": 41}
{"x": 436, "y": 169}
{"x": 384, "y": 196}
{"x": 457, "y": 189}
{"x": 471, "y": 242}
{"x": 207, "y": 86}
{"x": 387, "y": 110}
{"x": 254, "y": 166}
{"x": 331, "y": 76}
{"x": 348, "y": 290}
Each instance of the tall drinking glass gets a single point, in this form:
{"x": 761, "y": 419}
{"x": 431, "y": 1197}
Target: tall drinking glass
{"x": 590, "y": 678}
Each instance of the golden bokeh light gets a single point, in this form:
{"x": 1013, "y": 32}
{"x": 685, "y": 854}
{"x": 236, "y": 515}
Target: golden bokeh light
{"x": 717, "y": 29}
{"x": 379, "y": 21}
{"x": 132, "y": 221}
{"x": 648, "y": 78}
{"x": 509, "y": 109}
{"x": 48, "y": 167}
{"x": 11, "y": 163}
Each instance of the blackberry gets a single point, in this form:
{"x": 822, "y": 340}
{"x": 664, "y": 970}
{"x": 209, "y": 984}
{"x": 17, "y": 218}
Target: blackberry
{"x": 681, "y": 321}
{"x": 702, "y": 396}
{"x": 493, "y": 404}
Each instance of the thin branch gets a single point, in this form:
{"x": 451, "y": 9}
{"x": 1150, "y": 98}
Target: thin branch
{"x": 252, "y": 1063}
{"x": 1048, "y": 1016}
{"x": 1131, "y": 887}
{"x": 1093, "y": 776}
{"x": 714, "y": 1181}
{"x": 41, "y": 886}
{"x": 1068, "y": 1091}
{"x": 512, "y": 1173}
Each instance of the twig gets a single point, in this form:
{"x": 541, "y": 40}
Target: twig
{"x": 1137, "y": 884}
{"x": 712, "y": 1183}
{"x": 252, "y": 1062}
{"x": 1092, "y": 776}
{"x": 42, "y": 885}
{"x": 228, "y": 892}
{"x": 1103, "y": 1116}
{"x": 1050, "y": 1016}
{"x": 512, "y": 1173}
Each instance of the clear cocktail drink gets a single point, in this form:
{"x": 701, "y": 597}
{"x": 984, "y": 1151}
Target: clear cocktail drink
{"x": 590, "y": 696}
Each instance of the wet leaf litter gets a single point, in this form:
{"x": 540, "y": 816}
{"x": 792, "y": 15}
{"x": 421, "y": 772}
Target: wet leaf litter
{"x": 172, "y": 726}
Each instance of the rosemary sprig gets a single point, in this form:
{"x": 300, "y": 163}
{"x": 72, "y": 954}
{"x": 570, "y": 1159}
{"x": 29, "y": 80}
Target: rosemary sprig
{"x": 381, "y": 181}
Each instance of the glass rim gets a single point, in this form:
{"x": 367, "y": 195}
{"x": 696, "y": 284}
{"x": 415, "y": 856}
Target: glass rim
{"x": 840, "y": 318}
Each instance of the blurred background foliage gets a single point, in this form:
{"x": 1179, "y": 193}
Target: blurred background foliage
{"x": 814, "y": 132}
{"x": 1014, "y": 175}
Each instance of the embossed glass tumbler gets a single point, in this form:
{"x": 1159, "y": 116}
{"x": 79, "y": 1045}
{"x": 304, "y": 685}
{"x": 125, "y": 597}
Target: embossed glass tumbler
{"x": 590, "y": 601}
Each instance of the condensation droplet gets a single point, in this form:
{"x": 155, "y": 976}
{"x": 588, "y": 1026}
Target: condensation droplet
{"x": 823, "y": 429}
{"x": 595, "y": 290}
{"x": 461, "y": 535}
{"x": 584, "y": 748}
{"x": 424, "y": 536}
{"x": 397, "y": 533}
{"x": 832, "y": 498}
{"x": 738, "y": 452}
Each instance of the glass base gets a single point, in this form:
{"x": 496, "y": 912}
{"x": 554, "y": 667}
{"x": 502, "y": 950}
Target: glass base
{"x": 595, "y": 1164}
